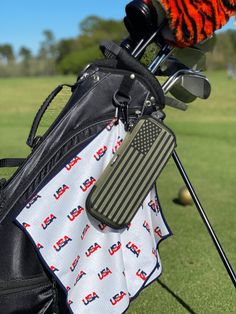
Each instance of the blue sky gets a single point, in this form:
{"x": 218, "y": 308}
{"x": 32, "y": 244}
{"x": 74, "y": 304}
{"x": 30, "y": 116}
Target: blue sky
{"x": 22, "y": 21}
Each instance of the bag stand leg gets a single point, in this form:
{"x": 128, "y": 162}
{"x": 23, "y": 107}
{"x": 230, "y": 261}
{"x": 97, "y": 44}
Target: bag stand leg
{"x": 204, "y": 218}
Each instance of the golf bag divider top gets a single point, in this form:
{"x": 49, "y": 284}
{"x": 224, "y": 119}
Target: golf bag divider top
{"x": 89, "y": 110}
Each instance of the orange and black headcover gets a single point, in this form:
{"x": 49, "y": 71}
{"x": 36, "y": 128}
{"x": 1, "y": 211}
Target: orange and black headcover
{"x": 191, "y": 21}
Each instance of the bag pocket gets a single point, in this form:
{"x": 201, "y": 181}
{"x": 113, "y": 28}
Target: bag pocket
{"x": 27, "y": 296}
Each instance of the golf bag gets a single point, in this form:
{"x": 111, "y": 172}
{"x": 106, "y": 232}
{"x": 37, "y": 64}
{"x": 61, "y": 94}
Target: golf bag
{"x": 26, "y": 284}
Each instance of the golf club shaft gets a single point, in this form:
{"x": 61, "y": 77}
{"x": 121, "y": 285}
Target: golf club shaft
{"x": 204, "y": 218}
{"x": 137, "y": 48}
{"x": 162, "y": 56}
{"x": 138, "y": 51}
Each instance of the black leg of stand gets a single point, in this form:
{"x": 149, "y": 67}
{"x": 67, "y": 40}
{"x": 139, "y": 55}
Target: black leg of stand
{"x": 204, "y": 218}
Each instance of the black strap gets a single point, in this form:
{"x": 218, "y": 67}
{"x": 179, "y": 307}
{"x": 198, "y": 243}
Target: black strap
{"x": 128, "y": 62}
{"x": 126, "y": 85}
{"x": 31, "y": 138}
{"x": 109, "y": 49}
{"x": 11, "y": 162}
{"x": 122, "y": 98}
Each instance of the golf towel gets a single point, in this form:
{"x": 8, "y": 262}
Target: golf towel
{"x": 101, "y": 269}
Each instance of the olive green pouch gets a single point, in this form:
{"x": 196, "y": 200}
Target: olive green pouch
{"x": 130, "y": 175}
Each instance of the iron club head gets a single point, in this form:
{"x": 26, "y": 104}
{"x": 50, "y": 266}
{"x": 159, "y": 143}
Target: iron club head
{"x": 190, "y": 81}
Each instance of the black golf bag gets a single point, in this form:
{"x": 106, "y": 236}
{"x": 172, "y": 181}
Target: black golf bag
{"x": 26, "y": 286}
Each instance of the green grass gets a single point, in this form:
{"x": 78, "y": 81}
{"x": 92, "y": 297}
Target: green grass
{"x": 194, "y": 279}
{"x": 20, "y": 99}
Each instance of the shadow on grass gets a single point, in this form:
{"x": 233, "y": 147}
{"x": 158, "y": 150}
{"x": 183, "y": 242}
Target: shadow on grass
{"x": 177, "y": 202}
{"x": 181, "y": 301}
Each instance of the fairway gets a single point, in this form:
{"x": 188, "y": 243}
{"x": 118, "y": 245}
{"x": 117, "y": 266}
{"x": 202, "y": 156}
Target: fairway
{"x": 194, "y": 279}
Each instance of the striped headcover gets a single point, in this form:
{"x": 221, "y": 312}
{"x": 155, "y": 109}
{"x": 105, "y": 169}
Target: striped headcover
{"x": 192, "y": 21}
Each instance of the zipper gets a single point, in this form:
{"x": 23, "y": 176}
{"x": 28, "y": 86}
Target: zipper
{"x": 25, "y": 285}
{"x": 55, "y": 304}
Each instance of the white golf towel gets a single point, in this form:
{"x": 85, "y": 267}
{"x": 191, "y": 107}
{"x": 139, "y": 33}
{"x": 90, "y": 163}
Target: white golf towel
{"x": 101, "y": 269}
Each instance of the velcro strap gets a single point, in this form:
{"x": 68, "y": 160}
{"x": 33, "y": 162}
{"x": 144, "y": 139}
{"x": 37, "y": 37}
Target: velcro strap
{"x": 109, "y": 49}
{"x": 126, "y": 86}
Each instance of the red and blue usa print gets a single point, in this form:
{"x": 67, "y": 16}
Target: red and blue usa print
{"x": 100, "y": 268}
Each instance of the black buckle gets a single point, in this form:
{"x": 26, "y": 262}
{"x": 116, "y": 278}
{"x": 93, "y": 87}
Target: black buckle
{"x": 121, "y": 104}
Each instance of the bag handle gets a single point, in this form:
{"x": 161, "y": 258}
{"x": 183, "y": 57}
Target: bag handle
{"x": 32, "y": 139}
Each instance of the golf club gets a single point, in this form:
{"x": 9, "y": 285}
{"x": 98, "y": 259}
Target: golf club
{"x": 193, "y": 82}
{"x": 175, "y": 103}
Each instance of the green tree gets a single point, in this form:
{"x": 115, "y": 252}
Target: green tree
{"x": 73, "y": 55}
{"x": 224, "y": 51}
{"x": 26, "y": 57}
{"x": 6, "y": 54}
{"x": 47, "y": 53}
{"x": 25, "y": 54}
{"x": 48, "y": 45}
{"x": 93, "y": 24}
{"x": 64, "y": 47}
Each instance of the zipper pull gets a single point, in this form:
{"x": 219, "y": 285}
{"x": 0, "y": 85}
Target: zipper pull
{"x": 116, "y": 118}
{"x": 125, "y": 116}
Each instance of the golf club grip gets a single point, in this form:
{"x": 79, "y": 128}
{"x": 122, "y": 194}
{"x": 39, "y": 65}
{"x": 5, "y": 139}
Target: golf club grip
{"x": 205, "y": 218}
{"x": 143, "y": 17}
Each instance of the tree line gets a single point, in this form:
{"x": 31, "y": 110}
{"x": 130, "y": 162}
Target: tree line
{"x": 70, "y": 55}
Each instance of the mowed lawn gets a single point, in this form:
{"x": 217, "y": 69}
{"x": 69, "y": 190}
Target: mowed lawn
{"x": 194, "y": 279}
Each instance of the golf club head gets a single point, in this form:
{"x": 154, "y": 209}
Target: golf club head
{"x": 195, "y": 56}
{"x": 192, "y": 82}
{"x": 171, "y": 66}
{"x": 191, "y": 57}
{"x": 207, "y": 45}
{"x": 196, "y": 84}
{"x": 182, "y": 94}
